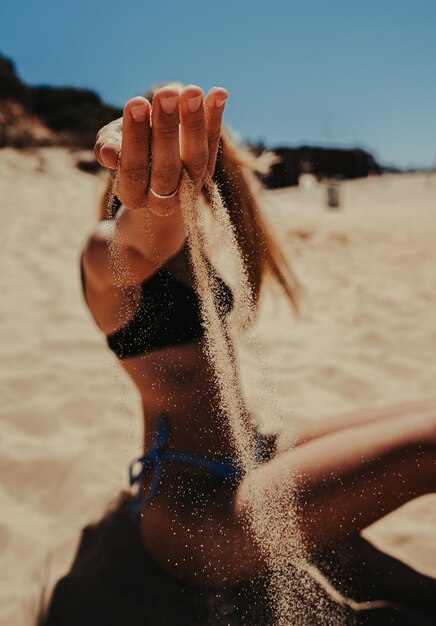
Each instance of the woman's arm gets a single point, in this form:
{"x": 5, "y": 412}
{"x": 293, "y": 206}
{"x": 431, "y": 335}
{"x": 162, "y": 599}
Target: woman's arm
{"x": 149, "y": 147}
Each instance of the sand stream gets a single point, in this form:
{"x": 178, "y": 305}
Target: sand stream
{"x": 299, "y": 594}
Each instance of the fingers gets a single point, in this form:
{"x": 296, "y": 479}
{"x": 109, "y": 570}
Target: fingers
{"x": 193, "y": 137}
{"x": 108, "y": 144}
{"x": 214, "y": 108}
{"x": 166, "y": 166}
{"x": 184, "y": 129}
{"x": 135, "y": 157}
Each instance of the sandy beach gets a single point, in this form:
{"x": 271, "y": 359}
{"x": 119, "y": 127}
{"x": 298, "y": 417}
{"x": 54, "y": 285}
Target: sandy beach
{"x": 366, "y": 337}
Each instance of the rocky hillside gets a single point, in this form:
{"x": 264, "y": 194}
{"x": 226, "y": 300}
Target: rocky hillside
{"x": 35, "y": 116}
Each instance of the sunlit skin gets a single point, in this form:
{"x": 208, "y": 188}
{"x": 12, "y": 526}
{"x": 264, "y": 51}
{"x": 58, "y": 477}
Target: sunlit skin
{"x": 349, "y": 470}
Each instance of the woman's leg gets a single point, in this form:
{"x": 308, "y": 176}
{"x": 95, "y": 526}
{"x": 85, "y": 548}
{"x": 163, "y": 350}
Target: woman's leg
{"x": 304, "y": 430}
{"x": 345, "y": 480}
{"x": 341, "y": 482}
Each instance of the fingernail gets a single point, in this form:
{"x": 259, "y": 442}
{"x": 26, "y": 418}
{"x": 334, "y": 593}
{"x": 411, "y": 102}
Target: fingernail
{"x": 219, "y": 101}
{"x": 168, "y": 104}
{"x": 194, "y": 103}
{"x": 109, "y": 155}
{"x": 139, "y": 112}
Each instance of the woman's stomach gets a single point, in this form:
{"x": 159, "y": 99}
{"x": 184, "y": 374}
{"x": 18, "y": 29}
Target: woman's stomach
{"x": 180, "y": 382}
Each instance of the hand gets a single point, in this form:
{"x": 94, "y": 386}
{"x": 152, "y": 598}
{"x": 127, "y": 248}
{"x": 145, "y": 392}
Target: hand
{"x": 154, "y": 143}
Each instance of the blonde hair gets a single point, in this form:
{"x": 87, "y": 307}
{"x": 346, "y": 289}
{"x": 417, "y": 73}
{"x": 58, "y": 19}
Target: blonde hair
{"x": 235, "y": 175}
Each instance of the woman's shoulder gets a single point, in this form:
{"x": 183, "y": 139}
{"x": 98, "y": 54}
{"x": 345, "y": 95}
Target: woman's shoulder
{"x": 95, "y": 258}
{"x": 110, "y": 273}
{"x": 107, "y": 261}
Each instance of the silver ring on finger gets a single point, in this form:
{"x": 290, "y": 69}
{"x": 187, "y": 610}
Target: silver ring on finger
{"x": 165, "y": 196}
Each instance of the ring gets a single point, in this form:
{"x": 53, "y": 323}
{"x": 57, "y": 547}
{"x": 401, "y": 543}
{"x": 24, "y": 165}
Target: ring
{"x": 164, "y": 196}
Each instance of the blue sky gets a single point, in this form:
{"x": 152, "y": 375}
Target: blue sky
{"x": 342, "y": 72}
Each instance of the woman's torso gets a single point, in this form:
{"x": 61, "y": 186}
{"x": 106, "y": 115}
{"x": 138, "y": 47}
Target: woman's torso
{"x": 156, "y": 331}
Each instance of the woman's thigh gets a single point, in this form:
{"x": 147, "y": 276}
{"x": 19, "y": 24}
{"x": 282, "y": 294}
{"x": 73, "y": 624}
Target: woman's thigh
{"x": 204, "y": 542}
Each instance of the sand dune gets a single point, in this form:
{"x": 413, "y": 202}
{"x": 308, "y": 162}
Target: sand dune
{"x": 70, "y": 418}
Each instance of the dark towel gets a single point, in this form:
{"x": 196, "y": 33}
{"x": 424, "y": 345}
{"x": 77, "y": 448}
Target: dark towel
{"x": 113, "y": 582}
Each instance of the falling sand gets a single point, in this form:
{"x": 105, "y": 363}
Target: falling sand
{"x": 296, "y": 597}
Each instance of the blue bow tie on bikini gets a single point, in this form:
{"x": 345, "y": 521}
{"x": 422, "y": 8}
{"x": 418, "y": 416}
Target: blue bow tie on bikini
{"x": 156, "y": 456}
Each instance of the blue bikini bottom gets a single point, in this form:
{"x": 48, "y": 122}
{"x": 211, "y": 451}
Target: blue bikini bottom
{"x": 228, "y": 470}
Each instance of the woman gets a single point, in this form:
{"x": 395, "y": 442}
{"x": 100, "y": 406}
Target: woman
{"x": 193, "y": 502}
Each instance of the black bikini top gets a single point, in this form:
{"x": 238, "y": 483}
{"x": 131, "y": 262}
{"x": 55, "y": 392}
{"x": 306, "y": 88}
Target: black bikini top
{"x": 168, "y": 314}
